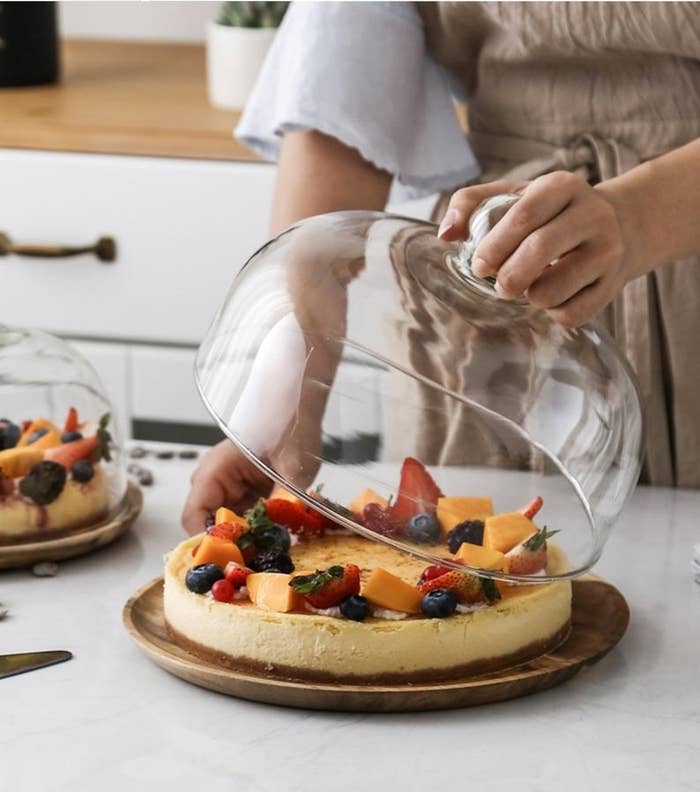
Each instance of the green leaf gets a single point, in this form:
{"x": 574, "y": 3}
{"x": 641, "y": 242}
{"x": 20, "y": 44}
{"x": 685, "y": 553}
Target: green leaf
{"x": 490, "y": 589}
{"x": 539, "y": 540}
{"x": 312, "y": 584}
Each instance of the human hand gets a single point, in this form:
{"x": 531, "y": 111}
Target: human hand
{"x": 224, "y": 477}
{"x": 563, "y": 245}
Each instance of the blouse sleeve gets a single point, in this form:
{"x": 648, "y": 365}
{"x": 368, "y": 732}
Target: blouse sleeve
{"x": 360, "y": 72}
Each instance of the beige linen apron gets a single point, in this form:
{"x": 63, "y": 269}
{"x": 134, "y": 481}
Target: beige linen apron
{"x": 596, "y": 88}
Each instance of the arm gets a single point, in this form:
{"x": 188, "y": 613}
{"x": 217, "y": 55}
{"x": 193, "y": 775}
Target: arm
{"x": 600, "y": 238}
{"x": 316, "y": 174}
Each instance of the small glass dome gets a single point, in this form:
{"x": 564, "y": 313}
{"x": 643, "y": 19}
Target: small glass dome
{"x": 61, "y": 461}
{"x": 356, "y": 341}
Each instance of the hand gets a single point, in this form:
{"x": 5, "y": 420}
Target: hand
{"x": 224, "y": 477}
{"x": 561, "y": 246}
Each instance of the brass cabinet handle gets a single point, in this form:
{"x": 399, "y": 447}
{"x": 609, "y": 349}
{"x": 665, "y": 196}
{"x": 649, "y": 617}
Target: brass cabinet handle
{"x": 105, "y": 249}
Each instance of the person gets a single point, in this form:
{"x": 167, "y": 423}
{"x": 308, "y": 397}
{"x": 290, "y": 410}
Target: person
{"x": 591, "y": 111}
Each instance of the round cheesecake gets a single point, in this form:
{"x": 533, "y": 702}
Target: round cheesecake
{"x": 79, "y": 504}
{"x": 387, "y": 647}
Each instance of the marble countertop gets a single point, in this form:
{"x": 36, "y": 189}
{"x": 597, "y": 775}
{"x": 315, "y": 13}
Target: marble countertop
{"x": 111, "y": 720}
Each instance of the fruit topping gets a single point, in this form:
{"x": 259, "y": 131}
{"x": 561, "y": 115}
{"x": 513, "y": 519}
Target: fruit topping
{"x": 380, "y": 521}
{"x": 224, "y": 515}
{"x": 272, "y": 592}
{"x": 44, "y": 483}
{"x": 531, "y": 508}
{"x": 9, "y": 434}
{"x": 213, "y": 550}
{"x": 453, "y": 511}
{"x": 504, "y": 531}
{"x": 418, "y": 492}
{"x": 71, "y": 424}
{"x": 475, "y": 555}
{"x": 83, "y": 471}
{"x": 467, "y": 587}
{"x": 236, "y": 574}
{"x": 227, "y": 531}
{"x": 355, "y": 607}
{"x": 367, "y": 496}
{"x": 222, "y": 591}
{"x": 35, "y": 426}
{"x": 68, "y": 437}
{"x": 202, "y": 577}
{"x": 424, "y": 529}
{"x": 263, "y": 533}
{"x": 439, "y": 603}
{"x": 325, "y": 588}
{"x": 529, "y": 556}
{"x": 272, "y": 561}
{"x": 17, "y": 462}
{"x": 471, "y": 531}
{"x": 431, "y": 572}
{"x": 93, "y": 448}
{"x": 294, "y": 515}
{"x": 389, "y": 591}
{"x": 36, "y": 435}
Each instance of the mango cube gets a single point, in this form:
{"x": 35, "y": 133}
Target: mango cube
{"x": 391, "y": 592}
{"x": 480, "y": 557}
{"x": 271, "y": 591}
{"x": 503, "y": 531}
{"x": 453, "y": 511}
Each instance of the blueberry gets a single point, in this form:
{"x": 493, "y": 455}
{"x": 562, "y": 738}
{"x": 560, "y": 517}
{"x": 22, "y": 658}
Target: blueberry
{"x": 273, "y": 537}
{"x": 83, "y": 471}
{"x": 355, "y": 607}
{"x": 471, "y": 531}
{"x": 424, "y": 528}
{"x": 68, "y": 437}
{"x": 9, "y": 434}
{"x": 36, "y": 435}
{"x": 272, "y": 561}
{"x": 202, "y": 577}
{"x": 439, "y": 603}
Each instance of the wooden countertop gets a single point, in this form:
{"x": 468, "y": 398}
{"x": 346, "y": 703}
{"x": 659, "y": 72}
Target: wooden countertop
{"x": 123, "y": 98}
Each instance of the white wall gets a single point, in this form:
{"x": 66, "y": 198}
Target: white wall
{"x": 163, "y": 20}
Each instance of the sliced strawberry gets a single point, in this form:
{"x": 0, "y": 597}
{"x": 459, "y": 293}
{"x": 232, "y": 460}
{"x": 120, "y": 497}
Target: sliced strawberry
{"x": 328, "y": 587}
{"x": 468, "y": 588}
{"x": 227, "y": 531}
{"x": 296, "y": 516}
{"x": 530, "y": 556}
{"x": 69, "y": 453}
{"x": 418, "y": 493}
{"x": 431, "y": 572}
{"x": 71, "y": 424}
{"x": 236, "y": 574}
{"x": 531, "y": 508}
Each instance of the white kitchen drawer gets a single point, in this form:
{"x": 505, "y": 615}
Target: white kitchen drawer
{"x": 183, "y": 229}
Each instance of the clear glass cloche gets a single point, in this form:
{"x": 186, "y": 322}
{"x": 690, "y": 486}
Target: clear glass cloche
{"x": 356, "y": 349}
{"x": 61, "y": 461}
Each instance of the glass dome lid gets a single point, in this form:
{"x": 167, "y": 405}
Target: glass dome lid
{"x": 60, "y": 447}
{"x": 358, "y": 351}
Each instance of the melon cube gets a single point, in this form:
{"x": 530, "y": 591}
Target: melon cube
{"x": 453, "y": 511}
{"x": 224, "y": 515}
{"x": 480, "y": 557}
{"x": 214, "y": 550}
{"x": 503, "y": 531}
{"x": 391, "y": 592}
{"x": 271, "y": 591}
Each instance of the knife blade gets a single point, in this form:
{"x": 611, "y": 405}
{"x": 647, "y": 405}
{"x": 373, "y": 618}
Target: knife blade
{"x": 11, "y": 664}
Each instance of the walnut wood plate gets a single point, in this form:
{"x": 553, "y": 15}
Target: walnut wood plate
{"x": 79, "y": 542}
{"x": 599, "y": 619}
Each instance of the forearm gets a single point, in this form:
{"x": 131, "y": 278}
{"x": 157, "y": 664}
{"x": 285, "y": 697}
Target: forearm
{"x": 318, "y": 174}
{"x": 658, "y": 203}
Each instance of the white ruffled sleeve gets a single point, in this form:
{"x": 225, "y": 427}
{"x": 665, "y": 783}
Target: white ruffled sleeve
{"x": 361, "y": 73}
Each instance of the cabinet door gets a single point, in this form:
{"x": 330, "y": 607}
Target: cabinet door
{"x": 183, "y": 229}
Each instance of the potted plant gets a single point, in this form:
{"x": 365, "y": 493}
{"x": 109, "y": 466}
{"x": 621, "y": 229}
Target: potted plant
{"x": 237, "y": 43}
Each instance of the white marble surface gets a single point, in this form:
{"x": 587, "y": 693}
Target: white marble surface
{"x": 110, "y": 720}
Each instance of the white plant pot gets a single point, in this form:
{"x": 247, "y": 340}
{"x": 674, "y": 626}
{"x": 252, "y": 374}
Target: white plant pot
{"x": 234, "y": 58}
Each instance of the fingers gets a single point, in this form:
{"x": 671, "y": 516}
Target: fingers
{"x": 569, "y": 275}
{"x": 585, "y": 305}
{"x": 464, "y": 202}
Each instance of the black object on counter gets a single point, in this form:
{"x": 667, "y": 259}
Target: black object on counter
{"x": 28, "y": 44}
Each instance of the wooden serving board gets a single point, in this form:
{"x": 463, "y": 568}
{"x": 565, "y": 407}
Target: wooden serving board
{"x": 599, "y": 619}
{"x": 78, "y": 542}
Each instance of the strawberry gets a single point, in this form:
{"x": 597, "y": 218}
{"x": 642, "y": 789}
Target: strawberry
{"x": 529, "y": 556}
{"x": 431, "y": 572}
{"x": 227, "y": 531}
{"x": 531, "y": 508}
{"x": 222, "y": 590}
{"x": 418, "y": 493}
{"x": 328, "y": 587}
{"x": 71, "y": 424}
{"x": 379, "y": 520}
{"x": 294, "y": 515}
{"x": 468, "y": 588}
{"x": 236, "y": 574}
{"x": 69, "y": 453}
